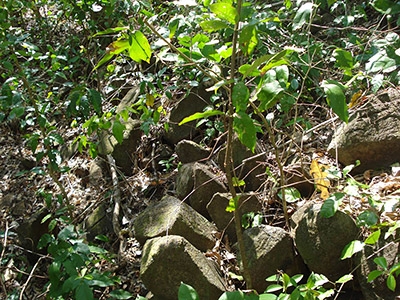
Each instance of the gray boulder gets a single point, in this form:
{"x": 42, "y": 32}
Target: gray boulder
{"x": 320, "y": 241}
{"x": 184, "y": 182}
{"x": 98, "y": 222}
{"x": 167, "y": 261}
{"x": 371, "y": 133}
{"x": 173, "y": 217}
{"x": 189, "y": 151}
{"x": 224, "y": 219}
{"x": 270, "y": 249}
{"x": 206, "y": 184}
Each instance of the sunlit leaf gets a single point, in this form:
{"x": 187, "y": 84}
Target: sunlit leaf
{"x": 352, "y": 248}
{"x": 201, "y": 115}
{"x": 118, "y": 131}
{"x": 268, "y": 94}
{"x": 103, "y": 60}
{"x": 373, "y": 237}
{"x": 345, "y": 278}
{"x": 110, "y": 31}
{"x": 336, "y": 98}
{"x": 291, "y": 195}
{"x": 232, "y": 205}
{"x": 139, "y": 47}
{"x": 248, "y": 39}
{"x": 303, "y": 15}
{"x": 213, "y": 25}
{"x": 225, "y": 11}
{"x": 245, "y": 129}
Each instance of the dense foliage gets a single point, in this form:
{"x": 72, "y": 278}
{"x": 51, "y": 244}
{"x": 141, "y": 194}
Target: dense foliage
{"x": 67, "y": 62}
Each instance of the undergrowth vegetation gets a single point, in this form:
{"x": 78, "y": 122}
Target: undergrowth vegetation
{"x": 65, "y": 62}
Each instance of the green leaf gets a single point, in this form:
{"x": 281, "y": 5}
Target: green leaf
{"x": 118, "y": 131}
{"x": 268, "y": 94}
{"x": 186, "y": 292}
{"x": 225, "y": 11}
{"x": 110, "y": 31}
{"x": 303, "y": 15}
{"x": 336, "y": 99}
{"x": 83, "y": 291}
{"x": 391, "y": 282}
{"x": 374, "y": 274}
{"x": 237, "y": 182}
{"x": 95, "y": 100}
{"x": 386, "y": 6}
{"x": 232, "y": 204}
{"x": 104, "y": 59}
{"x": 201, "y": 115}
{"x": 367, "y": 218}
{"x": 139, "y": 47}
{"x": 352, "y": 248}
{"x": 329, "y": 208}
{"x": 291, "y": 195}
{"x": 245, "y": 129}
{"x": 345, "y": 278}
{"x": 380, "y": 62}
{"x": 273, "y": 288}
{"x": 16, "y": 112}
{"x": 373, "y": 237}
{"x": 236, "y": 295}
{"x": 213, "y": 25}
{"x": 121, "y": 294}
{"x": 248, "y": 39}
{"x": 381, "y": 261}
{"x": 240, "y": 96}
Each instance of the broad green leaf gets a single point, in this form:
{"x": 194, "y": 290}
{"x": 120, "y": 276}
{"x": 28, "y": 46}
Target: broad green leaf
{"x": 391, "y": 282}
{"x": 344, "y": 59}
{"x": 273, "y": 288}
{"x": 213, "y": 25}
{"x": 268, "y": 94}
{"x": 225, "y": 11}
{"x": 282, "y": 74}
{"x": 139, "y": 47}
{"x": 95, "y": 100}
{"x": 83, "y": 291}
{"x": 210, "y": 52}
{"x": 373, "y": 237}
{"x": 245, "y": 129}
{"x": 232, "y": 204}
{"x": 386, "y": 6}
{"x": 381, "y": 261}
{"x": 336, "y": 98}
{"x": 248, "y": 39}
{"x": 240, "y": 96}
{"x": 186, "y": 292}
{"x": 374, "y": 274}
{"x": 118, "y": 131}
{"x": 16, "y": 112}
{"x": 329, "y": 208}
{"x": 352, "y": 248}
{"x": 110, "y": 31}
{"x": 236, "y": 295}
{"x": 303, "y": 15}
{"x": 380, "y": 62}
{"x": 118, "y": 46}
{"x": 201, "y": 115}
{"x": 104, "y": 59}
{"x": 248, "y": 70}
{"x": 367, "y": 218}
{"x": 345, "y": 278}
{"x": 291, "y": 195}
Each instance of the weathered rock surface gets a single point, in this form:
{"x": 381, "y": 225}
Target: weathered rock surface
{"x": 98, "y": 222}
{"x": 378, "y": 288}
{"x": 320, "y": 241}
{"x": 184, "y": 180}
{"x": 224, "y": 219}
{"x": 206, "y": 184}
{"x": 373, "y": 131}
{"x": 167, "y": 261}
{"x": 173, "y": 217}
{"x": 269, "y": 249}
{"x": 196, "y": 101}
{"x": 189, "y": 151}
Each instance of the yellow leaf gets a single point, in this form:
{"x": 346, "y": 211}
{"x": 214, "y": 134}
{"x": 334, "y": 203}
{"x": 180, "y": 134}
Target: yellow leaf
{"x": 355, "y": 99}
{"x": 149, "y": 100}
{"x": 317, "y": 171}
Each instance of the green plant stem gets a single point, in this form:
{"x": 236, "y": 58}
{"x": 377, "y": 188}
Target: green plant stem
{"x": 228, "y": 163}
{"x": 31, "y": 99}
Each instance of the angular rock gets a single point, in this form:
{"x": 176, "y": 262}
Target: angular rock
{"x": 167, "y": 261}
{"x": 173, "y": 217}
{"x": 96, "y": 171}
{"x": 184, "y": 180}
{"x": 189, "y": 151}
{"x": 122, "y": 153}
{"x": 378, "y": 289}
{"x": 98, "y": 222}
{"x": 371, "y": 133}
{"x": 268, "y": 250}
{"x": 223, "y": 219}
{"x": 320, "y": 241}
{"x": 206, "y": 184}
{"x": 196, "y": 101}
